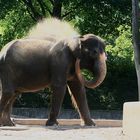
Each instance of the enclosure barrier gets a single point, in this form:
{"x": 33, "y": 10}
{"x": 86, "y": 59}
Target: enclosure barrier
{"x": 131, "y": 119}
{"x": 102, "y": 123}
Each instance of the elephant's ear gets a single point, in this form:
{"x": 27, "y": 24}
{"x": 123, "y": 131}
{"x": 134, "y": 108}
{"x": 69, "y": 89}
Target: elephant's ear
{"x": 75, "y": 46}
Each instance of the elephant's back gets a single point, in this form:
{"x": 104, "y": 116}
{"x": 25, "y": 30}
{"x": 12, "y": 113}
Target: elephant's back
{"x": 5, "y": 49}
{"x": 25, "y": 50}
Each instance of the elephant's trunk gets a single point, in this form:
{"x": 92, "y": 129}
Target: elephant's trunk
{"x": 99, "y": 72}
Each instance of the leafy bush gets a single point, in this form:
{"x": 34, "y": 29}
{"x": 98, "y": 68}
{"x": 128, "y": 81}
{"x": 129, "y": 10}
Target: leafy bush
{"x": 14, "y": 26}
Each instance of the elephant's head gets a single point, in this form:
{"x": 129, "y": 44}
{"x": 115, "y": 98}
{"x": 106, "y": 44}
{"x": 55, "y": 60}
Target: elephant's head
{"x": 89, "y": 51}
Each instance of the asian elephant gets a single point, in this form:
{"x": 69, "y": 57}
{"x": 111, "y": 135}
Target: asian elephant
{"x": 28, "y": 65}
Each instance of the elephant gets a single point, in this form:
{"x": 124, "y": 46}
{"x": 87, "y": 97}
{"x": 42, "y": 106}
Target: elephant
{"x": 28, "y": 65}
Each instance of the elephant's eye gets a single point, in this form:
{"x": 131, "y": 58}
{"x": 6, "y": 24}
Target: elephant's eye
{"x": 95, "y": 51}
{"x": 86, "y": 50}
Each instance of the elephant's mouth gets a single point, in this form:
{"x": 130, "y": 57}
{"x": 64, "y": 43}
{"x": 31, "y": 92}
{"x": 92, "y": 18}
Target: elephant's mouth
{"x": 99, "y": 72}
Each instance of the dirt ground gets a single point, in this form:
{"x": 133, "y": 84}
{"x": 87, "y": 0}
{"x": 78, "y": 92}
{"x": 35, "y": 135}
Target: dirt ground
{"x": 75, "y": 132}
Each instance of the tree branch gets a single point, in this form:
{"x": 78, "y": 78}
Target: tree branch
{"x": 35, "y": 14}
{"x": 135, "y": 29}
{"x": 52, "y": 2}
{"x": 30, "y": 13}
{"x": 42, "y": 7}
{"x": 47, "y": 8}
{"x": 57, "y": 9}
{"x": 66, "y": 14}
{"x": 75, "y": 7}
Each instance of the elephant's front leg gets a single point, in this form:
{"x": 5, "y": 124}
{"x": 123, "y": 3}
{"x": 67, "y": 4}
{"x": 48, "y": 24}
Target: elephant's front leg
{"x": 57, "y": 99}
{"x": 79, "y": 96}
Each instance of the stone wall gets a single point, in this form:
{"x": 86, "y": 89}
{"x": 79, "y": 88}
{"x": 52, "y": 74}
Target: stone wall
{"x": 64, "y": 114}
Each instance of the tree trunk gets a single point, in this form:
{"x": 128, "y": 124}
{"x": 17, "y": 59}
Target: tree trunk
{"x": 136, "y": 39}
{"x": 57, "y": 7}
{"x": 36, "y": 16}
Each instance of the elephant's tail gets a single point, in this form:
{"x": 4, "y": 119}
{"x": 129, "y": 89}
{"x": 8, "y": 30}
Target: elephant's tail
{"x": 72, "y": 98}
{"x": 52, "y": 28}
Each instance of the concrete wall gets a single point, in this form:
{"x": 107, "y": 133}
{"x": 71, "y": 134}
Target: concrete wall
{"x": 131, "y": 120}
{"x": 64, "y": 114}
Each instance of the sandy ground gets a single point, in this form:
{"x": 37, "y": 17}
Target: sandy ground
{"x": 26, "y": 132}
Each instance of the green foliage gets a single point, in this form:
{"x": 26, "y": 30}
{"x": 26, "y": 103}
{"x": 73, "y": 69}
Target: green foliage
{"x": 123, "y": 44}
{"x": 7, "y": 6}
{"x": 14, "y": 26}
{"x": 39, "y": 99}
{"x": 101, "y": 17}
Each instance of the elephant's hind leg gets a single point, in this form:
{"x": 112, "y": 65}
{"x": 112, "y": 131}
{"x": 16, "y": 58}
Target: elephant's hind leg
{"x": 7, "y": 99}
{"x": 5, "y": 109}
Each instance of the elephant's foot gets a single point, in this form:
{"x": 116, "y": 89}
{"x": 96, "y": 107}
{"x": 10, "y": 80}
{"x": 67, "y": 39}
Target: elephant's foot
{"x": 6, "y": 122}
{"x": 88, "y": 122}
{"x": 51, "y": 123}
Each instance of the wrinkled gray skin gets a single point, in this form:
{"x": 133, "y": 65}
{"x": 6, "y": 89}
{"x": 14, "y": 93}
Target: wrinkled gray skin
{"x": 28, "y": 65}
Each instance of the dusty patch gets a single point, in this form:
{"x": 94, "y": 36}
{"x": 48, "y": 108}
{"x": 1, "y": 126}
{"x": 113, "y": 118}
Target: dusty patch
{"x": 74, "y": 132}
